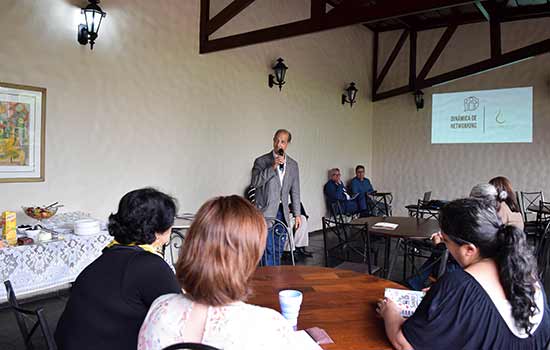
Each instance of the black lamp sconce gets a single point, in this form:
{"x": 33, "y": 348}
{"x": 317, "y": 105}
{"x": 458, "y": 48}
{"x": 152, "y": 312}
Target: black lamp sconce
{"x": 419, "y": 99}
{"x": 279, "y": 78}
{"x": 350, "y": 95}
{"x": 93, "y": 14}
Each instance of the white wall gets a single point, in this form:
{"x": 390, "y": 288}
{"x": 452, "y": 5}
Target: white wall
{"x": 405, "y": 161}
{"x": 145, "y": 109}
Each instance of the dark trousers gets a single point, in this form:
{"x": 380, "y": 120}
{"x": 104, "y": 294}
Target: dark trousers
{"x": 355, "y": 206}
{"x": 276, "y": 238}
{"x": 419, "y": 280}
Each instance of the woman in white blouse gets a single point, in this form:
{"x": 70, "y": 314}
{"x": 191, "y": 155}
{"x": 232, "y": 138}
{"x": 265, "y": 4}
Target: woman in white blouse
{"x": 221, "y": 251}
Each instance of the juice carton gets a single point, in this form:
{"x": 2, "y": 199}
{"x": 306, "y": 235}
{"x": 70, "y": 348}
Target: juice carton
{"x": 9, "y": 232}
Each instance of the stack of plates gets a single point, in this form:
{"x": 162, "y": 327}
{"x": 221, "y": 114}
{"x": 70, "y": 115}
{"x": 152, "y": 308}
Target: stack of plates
{"x": 86, "y": 227}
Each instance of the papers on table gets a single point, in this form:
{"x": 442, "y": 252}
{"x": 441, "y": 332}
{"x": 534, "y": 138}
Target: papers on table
{"x": 305, "y": 342}
{"x": 385, "y": 225}
{"x": 407, "y": 300}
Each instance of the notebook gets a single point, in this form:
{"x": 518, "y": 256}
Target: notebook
{"x": 407, "y": 300}
{"x": 305, "y": 342}
{"x": 385, "y": 225}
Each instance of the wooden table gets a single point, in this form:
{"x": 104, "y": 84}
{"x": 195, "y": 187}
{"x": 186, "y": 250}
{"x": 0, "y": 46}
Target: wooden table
{"x": 409, "y": 229}
{"x": 341, "y": 302}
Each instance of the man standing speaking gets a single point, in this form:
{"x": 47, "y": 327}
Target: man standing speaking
{"x": 275, "y": 176}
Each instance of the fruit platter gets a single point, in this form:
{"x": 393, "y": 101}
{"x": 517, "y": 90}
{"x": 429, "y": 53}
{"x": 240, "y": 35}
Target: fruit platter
{"x": 40, "y": 213}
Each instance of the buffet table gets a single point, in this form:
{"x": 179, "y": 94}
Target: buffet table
{"x": 46, "y": 266}
{"x": 38, "y": 267}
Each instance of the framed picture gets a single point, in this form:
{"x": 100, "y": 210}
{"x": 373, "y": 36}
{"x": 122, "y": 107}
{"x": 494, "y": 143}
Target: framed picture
{"x": 22, "y": 133}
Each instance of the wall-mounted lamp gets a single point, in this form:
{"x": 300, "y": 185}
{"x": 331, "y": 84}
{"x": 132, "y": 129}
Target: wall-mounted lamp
{"x": 419, "y": 99}
{"x": 350, "y": 95}
{"x": 93, "y": 14}
{"x": 279, "y": 78}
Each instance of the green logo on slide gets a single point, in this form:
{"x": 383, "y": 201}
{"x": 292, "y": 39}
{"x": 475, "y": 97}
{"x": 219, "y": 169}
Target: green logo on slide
{"x": 499, "y": 118}
{"x": 471, "y": 104}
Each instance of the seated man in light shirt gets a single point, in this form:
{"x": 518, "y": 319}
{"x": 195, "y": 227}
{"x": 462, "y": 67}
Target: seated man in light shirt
{"x": 336, "y": 192}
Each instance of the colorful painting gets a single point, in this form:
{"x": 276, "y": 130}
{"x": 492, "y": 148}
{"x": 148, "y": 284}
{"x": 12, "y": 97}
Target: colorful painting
{"x": 22, "y": 121}
{"x": 14, "y": 133}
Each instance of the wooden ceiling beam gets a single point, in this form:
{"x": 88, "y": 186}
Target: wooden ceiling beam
{"x": 438, "y": 49}
{"x": 539, "y": 48}
{"x": 318, "y": 9}
{"x": 482, "y": 10}
{"x": 225, "y": 15}
{"x": 373, "y": 13}
{"x": 391, "y": 59}
{"x": 396, "y": 8}
{"x": 505, "y": 15}
{"x": 529, "y": 51}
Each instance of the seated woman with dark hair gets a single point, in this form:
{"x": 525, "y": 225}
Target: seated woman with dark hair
{"x": 496, "y": 302}
{"x": 110, "y": 298}
{"x": 221, "y": 251}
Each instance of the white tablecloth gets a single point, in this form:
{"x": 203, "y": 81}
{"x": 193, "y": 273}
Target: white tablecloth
{"x": 37, "y": 267}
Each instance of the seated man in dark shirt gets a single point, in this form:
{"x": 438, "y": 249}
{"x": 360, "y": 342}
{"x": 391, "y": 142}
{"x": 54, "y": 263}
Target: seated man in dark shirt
{"x": 336, "y": 192}
{"x": 361, "y": 184}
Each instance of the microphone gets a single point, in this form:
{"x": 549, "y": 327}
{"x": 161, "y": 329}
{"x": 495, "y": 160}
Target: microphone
{"x": 281, "y": 153}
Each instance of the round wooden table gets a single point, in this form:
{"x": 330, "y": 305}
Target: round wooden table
{"x": 341, "y": 302}
{"x": 409, "y": 229}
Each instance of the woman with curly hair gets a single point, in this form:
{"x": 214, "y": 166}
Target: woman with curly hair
{"x": 110, "y": 298}
{"x": 496, "y": 302}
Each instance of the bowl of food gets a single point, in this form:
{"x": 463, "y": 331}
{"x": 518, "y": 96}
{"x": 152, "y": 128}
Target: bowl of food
{"x": 40, "y": 213}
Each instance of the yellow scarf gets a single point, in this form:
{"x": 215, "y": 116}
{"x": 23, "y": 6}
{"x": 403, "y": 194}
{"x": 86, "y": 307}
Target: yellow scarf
{"x": 147, "y": 247}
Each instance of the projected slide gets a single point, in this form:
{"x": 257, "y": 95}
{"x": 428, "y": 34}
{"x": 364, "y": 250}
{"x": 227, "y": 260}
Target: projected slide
{"x": 488, "y": 116}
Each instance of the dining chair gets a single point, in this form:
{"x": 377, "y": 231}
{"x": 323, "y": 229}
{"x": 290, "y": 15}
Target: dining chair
{"x": 543, "y": 253}
{"x": 423, "y": 248}
{"x": 380, "y": 203}
{"x": 347, "y": 236}
{"x": 529, "y": 199}
{"x": 190, "y": 346}
{"x": 529, "y": 203}
{"x": 170, "y": 251}
{"x": 543, "y": 213}
{"x": 281, "y": 233}
{"x": 425, "y": 210}
{"x": 37, "y": 316}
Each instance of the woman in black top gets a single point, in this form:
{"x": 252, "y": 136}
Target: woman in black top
{"x": 110, "y": 298}
{"x": 496, "y": 302}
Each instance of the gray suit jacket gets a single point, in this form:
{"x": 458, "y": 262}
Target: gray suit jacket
{"x": 269, "y": 192}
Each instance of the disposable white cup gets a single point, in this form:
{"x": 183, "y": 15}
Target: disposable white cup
{"x": 290, "y": 301}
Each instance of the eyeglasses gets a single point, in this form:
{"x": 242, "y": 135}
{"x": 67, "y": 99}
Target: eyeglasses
{"x": 459, "y": 240}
